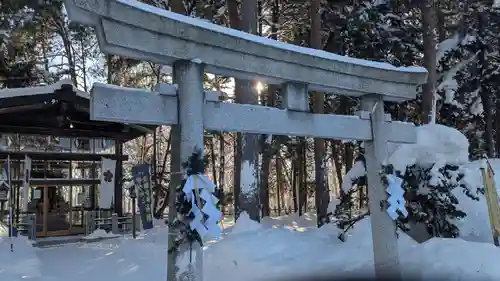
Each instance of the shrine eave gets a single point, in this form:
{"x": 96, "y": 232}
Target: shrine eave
{"x": 59, "y": 109}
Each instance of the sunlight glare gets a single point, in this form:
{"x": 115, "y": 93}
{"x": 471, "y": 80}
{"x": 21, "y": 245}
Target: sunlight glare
{"x": 259, "y": 87}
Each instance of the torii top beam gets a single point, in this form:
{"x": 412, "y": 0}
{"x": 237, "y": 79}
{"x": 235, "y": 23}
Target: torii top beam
{"x": 140, "y": 31}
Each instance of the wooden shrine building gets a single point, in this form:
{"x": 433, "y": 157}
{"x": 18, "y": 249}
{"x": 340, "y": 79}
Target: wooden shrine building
{"x": 50, "y": 126}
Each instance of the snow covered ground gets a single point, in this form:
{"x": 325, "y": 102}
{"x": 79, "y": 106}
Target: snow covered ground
{"x": 284, "y": 247}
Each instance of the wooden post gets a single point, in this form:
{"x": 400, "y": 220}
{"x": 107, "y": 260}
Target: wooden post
{"x": 189, "y": 77}
{"x": 114, "y": 224}
{"x": 279, "y": 180}
{"x": 93, "y": 187}
{"x": 134, "y": 216}
{"x": 86, "y": 223}
{"x": 155, "y": 183}
{"x": 2, "y": 209}
{"x": 16, "y": 171}
{"x": 492, "y": 202}
{"x": 222, "y": 168}
{"x": 89, "y": 222}
{"x": 45, "y": 215}
{"x": 33, "y": 228}
{"x": 118, "y": 201}
{"x": 31, "y": 223}
{"x": 92, "y": 220}
{"x": 137, "y": 220}
{"x": 385, "y": 247}
{"x": 70, "y": 211}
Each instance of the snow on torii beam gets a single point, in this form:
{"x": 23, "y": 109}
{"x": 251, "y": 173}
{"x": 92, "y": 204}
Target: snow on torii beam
{"x": 136, "y": 30}
{"x": 136, "y": 106}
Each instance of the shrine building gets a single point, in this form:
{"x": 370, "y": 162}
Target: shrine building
{"x": 59, "y": 160}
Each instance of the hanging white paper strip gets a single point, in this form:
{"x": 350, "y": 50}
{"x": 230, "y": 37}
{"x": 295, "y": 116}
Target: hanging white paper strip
{"x": 107, "y": 186}
{"x": 396, "y": 198}
{"x": 203, "y": 188}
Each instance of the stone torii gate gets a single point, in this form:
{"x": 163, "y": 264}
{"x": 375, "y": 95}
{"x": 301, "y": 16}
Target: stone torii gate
{"x": 139, "y": 31}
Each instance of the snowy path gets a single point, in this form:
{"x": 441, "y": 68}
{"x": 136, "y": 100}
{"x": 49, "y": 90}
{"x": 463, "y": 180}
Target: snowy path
{"x": 277, "y": 248}
{"x": 103, "y": 261}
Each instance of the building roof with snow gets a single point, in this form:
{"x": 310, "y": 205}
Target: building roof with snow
{"x": 59, "y": 109}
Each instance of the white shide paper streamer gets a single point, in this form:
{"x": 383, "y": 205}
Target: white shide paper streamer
{"x": 203, "y": 187}
{"x": 396, "y": 198}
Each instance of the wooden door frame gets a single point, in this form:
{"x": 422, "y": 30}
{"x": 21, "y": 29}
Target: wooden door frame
{"x": 45, "y": 217}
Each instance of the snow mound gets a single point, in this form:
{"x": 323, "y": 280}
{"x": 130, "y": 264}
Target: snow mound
{"x": 278, "y": 253}
{"x": 475, "y": 226}
{"x": 100, "y": 233}
{"x": 21, "y": 261}
{"x": 439, "y": 145}
{"x": 244, "y": 225}
{"x": 435, "y": 144}
{"x": 465, "y": 260}
{"x": 358, "y": 170}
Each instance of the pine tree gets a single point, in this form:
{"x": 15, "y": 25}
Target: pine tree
{"x": 431, "y": 200}
{"x": 469, "y": 76}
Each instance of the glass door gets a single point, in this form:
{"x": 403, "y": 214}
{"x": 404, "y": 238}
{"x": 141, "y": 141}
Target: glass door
{"x": 79, "y": 201}
{"x": 55, "y": 211}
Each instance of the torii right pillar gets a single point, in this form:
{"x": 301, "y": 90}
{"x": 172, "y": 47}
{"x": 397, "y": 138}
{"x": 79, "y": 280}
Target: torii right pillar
{"x": 385, "y": 242}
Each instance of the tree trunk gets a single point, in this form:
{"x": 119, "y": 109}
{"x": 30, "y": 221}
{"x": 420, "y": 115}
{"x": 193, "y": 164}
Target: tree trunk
{"x": 295, "y": 196}
{"x": 320, "y": 176}
{"x": 62, "y": 30}
{"x": 304, "y": 176}
{"x": 267, "y": 148}
{"x": 109, "y": 73}
{"x": 440, "y": 19}
{"x": 246, "y": 160}
{"x": 301, "y": 167}
{"x": 161, "y": 194}
{"x": 279, "y": 183}
{"x": 222, "y": 165}
{"x": 266, "y": 159}
{"x": 177, "y": 6}
{"x": 213, "y": 159}
{"x": 234, "y": 15}
{"x": 84, "y": 66}
{"x": 483, "y": 91}
{"x": 497, "y": 127}
{"x": 428, "y": 89}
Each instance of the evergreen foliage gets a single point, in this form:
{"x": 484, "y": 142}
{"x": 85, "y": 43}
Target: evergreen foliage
{"x": 430, "y": 199}
{"x": 195, "y": 165}
{"x": 469, "y": 74}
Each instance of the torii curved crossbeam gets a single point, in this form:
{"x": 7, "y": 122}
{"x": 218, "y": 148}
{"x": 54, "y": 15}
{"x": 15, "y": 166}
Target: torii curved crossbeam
{"x": 140, "y": 31}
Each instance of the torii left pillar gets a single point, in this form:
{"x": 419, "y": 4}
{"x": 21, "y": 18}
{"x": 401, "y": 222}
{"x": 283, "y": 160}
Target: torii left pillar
{"x": 189, "y": 77}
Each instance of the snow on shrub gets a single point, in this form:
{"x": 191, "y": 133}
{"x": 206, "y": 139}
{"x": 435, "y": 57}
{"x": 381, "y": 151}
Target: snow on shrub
{"x": 432, "y": 176}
